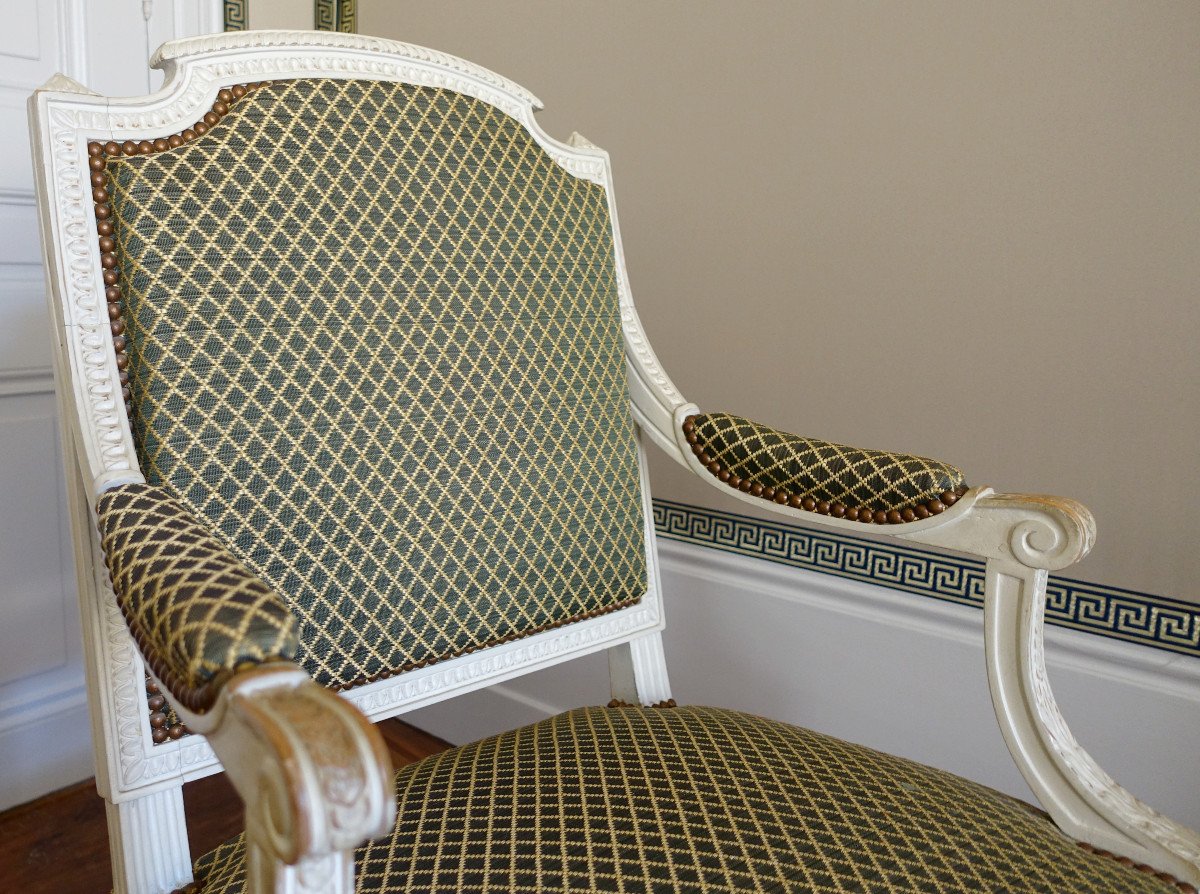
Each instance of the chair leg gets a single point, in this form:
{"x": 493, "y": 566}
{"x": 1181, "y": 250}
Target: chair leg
{"x": 637, "y": 671}
{"x": 147, "y": 839}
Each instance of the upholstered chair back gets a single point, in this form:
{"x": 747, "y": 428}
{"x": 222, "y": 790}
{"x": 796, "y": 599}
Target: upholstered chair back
{"x": 371, "y": 334}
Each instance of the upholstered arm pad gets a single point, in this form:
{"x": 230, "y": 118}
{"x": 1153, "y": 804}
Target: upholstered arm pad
{"x": 870, "y": 486}
{"x": 194, "y": 609}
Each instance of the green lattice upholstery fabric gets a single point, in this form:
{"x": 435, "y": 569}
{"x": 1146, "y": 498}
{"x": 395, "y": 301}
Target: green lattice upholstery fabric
{"x": 196, "y": 610}
{"x": 374, "y": 339}
{"x": 636, "y": 800}
{"x": 807, "y": 467}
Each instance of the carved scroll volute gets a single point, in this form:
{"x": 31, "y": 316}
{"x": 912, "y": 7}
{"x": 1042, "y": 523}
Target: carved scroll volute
{"x": 313, "y": 772}
{"x": 1023, "y": 538}
{"x": 1026, "y": 530}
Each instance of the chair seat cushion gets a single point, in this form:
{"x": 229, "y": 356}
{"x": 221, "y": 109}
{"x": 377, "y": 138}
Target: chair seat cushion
{"x": 634, "y": 799}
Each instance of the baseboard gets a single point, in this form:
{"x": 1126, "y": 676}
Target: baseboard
{"x": 877, "y": 666}
{"x": 44, "y": 745}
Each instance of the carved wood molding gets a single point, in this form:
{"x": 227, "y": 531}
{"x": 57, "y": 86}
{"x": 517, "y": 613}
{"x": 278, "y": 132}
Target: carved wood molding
{"x": 363, "y": 48}
{"x": 387, "y": 696}
{"x": 141, "y": 763}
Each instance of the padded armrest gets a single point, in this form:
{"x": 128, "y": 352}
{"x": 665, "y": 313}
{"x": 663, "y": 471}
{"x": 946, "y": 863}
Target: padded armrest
{"x": 870, "y": 486}
{"x": 195, "y": 610}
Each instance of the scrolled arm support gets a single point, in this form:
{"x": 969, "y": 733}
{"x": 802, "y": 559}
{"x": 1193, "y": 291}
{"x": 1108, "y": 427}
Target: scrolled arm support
{"x": 315, "y": 775}
{"x": 1032, "y": 530}
{"x": 1084, "y": 801}
{"x": 1023, "y": 537}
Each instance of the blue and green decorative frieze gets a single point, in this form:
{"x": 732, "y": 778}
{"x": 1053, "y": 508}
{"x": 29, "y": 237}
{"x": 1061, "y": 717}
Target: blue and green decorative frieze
{"x": 336, "y": 15}
{"x": 328, "y": 15}
{"x": 1106, "y": 611}
{"x": 237, "y": 17}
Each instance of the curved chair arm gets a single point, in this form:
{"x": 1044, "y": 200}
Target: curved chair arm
{"x": 1022, "y": 537}
{"x": 196, "y": 612}
{"x": 313, "y": 772}
{"x": 868, "y": 486}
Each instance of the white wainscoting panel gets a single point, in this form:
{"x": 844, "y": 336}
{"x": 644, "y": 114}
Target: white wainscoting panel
{"x": 45, "y": 738}
{"x": 891, "y": 670}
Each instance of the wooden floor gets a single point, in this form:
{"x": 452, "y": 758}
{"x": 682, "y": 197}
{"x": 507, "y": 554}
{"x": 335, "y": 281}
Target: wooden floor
{"x": 59, "y": 843}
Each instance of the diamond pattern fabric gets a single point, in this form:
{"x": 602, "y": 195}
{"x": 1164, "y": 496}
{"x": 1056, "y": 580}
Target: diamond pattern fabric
{"x": 822, "y": 470}
{"x": 374, "y": 339}
{"x": 702, "y": 800}
{"x": 195, "y": 610}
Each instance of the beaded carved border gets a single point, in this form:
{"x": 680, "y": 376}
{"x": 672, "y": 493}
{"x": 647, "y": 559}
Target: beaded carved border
{"x": 1143, "y": 618}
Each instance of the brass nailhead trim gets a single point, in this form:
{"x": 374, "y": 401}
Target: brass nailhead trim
{"x": 98, "y": 155}
{"x": 620, "y": 703}
{"x": 160, "y": 731}
{"x": 201, "y": 698}
{"x": 863, "y": 514}
{"x": 1185, "y": 887}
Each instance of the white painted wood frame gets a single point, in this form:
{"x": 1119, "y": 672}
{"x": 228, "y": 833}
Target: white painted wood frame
{"x": 1021, "y": 537}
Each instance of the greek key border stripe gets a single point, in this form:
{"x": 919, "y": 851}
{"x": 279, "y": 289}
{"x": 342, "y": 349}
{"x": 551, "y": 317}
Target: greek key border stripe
{"x": 237, "y": 16}
{"x": 336, "y": 15}
{"x": 328, "y": 15}
{"x": 1144, "y": 618}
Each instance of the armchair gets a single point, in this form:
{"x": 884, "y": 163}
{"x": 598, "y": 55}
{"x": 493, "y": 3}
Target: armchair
{"x": 355, "y": 401}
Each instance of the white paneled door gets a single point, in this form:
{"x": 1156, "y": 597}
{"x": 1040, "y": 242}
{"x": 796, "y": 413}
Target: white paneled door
{"x": 44, "y": 731}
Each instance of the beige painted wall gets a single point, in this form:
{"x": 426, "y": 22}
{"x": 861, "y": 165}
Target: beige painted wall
{"x": 964, "y": 230}
{"x": 294, "y": 14}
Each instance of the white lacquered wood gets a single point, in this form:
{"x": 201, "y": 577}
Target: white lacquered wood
{"x": 1084, "y": 801}
{"x": 330, "y": 874}
{"x": 147, "y": 840}
{"x": 313, "y": 772}
{"x": 637, "y": 671}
